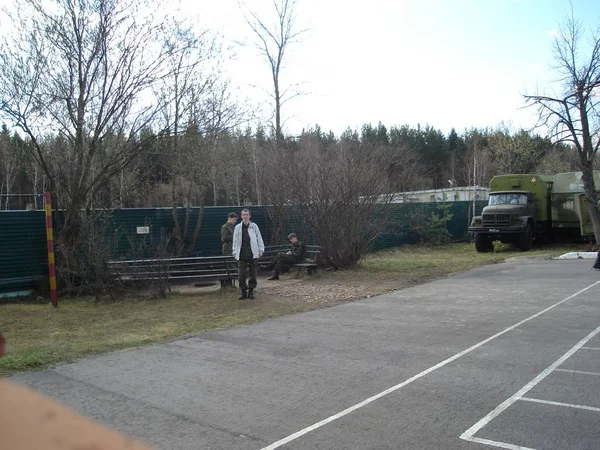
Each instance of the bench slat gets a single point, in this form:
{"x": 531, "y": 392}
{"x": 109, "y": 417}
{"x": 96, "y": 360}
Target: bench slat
{"x": 204, "y": 268}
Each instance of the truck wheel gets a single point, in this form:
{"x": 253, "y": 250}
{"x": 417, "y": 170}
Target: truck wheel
{"x": 526, "y": 239}
{"x": 483, "y": 243}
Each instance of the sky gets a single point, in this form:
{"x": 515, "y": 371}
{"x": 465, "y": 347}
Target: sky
{"x": 445, "y": 63}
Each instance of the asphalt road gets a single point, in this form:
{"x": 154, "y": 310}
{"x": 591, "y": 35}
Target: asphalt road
{"x": 503, "y": 356}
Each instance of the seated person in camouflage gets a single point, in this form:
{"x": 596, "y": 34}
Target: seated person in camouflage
{"x": 285, "y": 260}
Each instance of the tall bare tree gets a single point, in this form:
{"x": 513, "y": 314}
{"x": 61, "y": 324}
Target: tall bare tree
{"x": 199, "y": 109}
{"x": 84, "y": 71}
{"x": 273, "y": 41}
{"x": 190, "y": 80}
{"x": 574, "y": 115}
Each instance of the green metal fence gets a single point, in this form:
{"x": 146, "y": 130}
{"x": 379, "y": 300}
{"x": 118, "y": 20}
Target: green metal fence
{"x": 23, "y": 259}
{"x": 23, "y": 251}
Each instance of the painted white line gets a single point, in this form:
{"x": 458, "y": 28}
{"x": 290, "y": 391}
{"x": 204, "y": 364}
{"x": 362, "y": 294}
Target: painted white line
{"x": 347, "y": 411}
{"x": 578, "y": 372}
{"x": 468, "y": 435}
{"x": 568, "y": 405}
{"x": 499, "y": 444}
{"x": 590, "y": 348}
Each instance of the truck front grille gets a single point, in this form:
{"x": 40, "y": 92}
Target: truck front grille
{"x": 494, "y": 220}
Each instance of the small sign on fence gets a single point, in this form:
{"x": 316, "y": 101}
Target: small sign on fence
{"x": 143, "y": 230}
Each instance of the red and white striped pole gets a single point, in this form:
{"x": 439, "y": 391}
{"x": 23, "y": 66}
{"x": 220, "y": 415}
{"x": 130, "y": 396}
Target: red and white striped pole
{"x": 50, "y": 239}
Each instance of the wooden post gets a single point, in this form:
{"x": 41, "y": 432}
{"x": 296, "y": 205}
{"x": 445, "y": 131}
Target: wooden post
{"x": 50, "y": 239}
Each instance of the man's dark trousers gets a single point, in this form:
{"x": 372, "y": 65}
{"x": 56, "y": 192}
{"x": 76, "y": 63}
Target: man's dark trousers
{"x": 247, "y": 268}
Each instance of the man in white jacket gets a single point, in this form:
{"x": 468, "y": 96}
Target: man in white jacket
{"x": 248, "y": 246}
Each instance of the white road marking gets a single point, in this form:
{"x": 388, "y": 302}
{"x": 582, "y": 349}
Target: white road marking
{"x": 499, "y": 444}
{"x": 468, "y": 435}
{"x": 578, "y": 371}
{"x": 568, "y": 405}
{"x": 347, "y": 411}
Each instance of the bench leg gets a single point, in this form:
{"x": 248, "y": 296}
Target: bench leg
{"x": 227, "y": 283}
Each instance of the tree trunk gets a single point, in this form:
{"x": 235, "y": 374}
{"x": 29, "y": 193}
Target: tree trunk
{"x": 176, "y": 230}
{"x": 35, "y": 185}
{"x": 197, "y": 228}
{"x": 591, "y": 196}
{"x": 122, "y": 187}
{"x": 256, "y": 180}
{"x": 237, "y": 188}
{"x": 278, "y": 134}
{"x": 214, "y": 183}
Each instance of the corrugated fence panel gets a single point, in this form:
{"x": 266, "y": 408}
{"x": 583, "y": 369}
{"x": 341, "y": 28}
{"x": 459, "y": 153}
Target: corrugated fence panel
{"x": 23, "y": 256}
{"x": 399, "y": 230}
{"x": 160, "y": 224}
{"x": 295, "y": 223}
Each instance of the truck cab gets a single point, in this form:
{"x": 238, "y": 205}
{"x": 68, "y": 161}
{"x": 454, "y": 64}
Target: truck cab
{"x": 509, "y": 218}
{"x": 517, "y": 211}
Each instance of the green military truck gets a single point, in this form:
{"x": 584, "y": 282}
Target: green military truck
{"x": 528, "y": 207}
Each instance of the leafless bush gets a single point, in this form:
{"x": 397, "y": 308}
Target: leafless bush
{"x": 151, "y": 267}
{"x": 159, "y": 285}
{"x": 82, "y": 265}
{"x": 342, "y": 193}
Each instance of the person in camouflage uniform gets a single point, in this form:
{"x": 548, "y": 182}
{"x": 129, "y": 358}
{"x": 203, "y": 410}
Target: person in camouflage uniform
{"x": 283, "y": 261}
{"x": 227, "y": 234}
{"x": 248, "y": 247}
{"x": 227, "y": 240}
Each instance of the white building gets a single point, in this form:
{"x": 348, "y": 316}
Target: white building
{"x": 451, "y": 194}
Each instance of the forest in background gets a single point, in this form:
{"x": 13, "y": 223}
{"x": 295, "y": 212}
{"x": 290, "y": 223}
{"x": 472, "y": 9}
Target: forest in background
{"x": 213, "y": 167}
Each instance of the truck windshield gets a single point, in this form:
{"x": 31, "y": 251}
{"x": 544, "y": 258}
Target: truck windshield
{"x": 508, "y": 199}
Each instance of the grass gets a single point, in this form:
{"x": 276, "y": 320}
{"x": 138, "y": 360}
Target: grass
{"x": 39, "y": 335}
{"x": 417, "y": 261}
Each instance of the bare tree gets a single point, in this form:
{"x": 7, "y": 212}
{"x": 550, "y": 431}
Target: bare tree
{"x": 477, "y": 164}
{"x": 201, "y": 155}
{"x": 573, "y": 115}
{"x": 221, "y": 117}
{"x": 202, "y": 114}
{"x": 273, "y": 42}
{"x": 275, "y": 186}
{"x": 190, "y": 80}
{"x": 83, "y": 71}
{"x": 8, "y": 165}
{"x": 232, "y": 175}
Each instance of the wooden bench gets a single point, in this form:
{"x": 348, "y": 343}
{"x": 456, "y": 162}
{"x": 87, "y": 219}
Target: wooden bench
{"x": 309, "y": 263}
{"x": 211, "y": 268}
